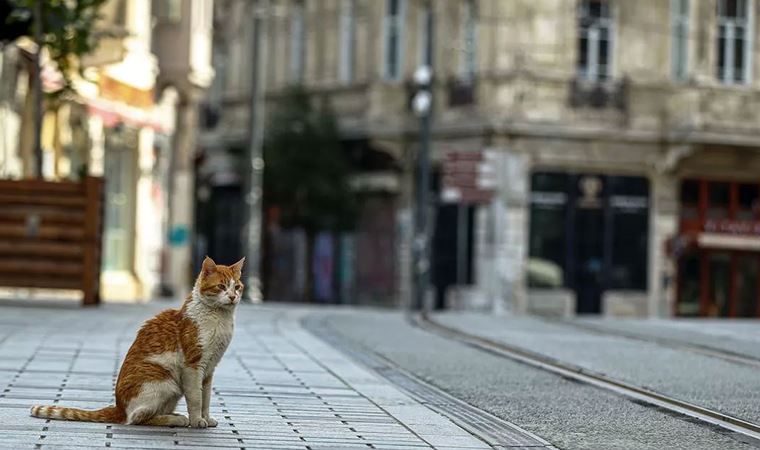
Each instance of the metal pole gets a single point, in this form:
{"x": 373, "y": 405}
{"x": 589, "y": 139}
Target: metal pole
{"x": 38, "y": 90}
{"x": 253, "y": 196}
{"x": 462, "y": 256}
{"x": 422, "y": 234}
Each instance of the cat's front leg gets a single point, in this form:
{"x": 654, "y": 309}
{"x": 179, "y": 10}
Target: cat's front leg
{"x": 207, "y": 400}
{"x": 191, "y": 385}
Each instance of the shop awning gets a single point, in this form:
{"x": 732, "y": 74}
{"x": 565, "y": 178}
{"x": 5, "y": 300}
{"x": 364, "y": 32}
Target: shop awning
{"x": 114, "y": 112}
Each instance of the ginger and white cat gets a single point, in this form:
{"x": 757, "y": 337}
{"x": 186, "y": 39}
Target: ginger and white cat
{"x": 174, "y": 354}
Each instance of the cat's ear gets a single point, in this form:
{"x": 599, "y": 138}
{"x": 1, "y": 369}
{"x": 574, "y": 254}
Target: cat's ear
{"x": 209, "y": 266}
{"x": 238, "y": 267}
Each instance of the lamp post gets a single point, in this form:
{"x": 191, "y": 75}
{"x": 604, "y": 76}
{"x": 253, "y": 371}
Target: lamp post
{"x": 422, "y": 104}
{"x": 251, "y": 239}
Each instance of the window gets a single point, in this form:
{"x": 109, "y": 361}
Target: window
{"x": 748, "y": 202}
{"x": 690, "y": 200}
{"x": 719, "y": 198}
{"x": 469, "y": 37}
{"x": 629, "y": 202}
{"x": 347, "y": 40}
{"x": 393, "y": 28}
{"x": 595, "y": 40}
{"x": 297, "y": 43}
{"x": 688, "y": 284}
{"x": 426, "y": 35}
{"x": 734, "y": 43}
{"x": 165, "y": 10}
{"x": 679, "y": 50}
{"x": 547, "y": 243}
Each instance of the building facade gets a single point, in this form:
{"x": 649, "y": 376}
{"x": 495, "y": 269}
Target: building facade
{"x": 625, "y": 133}
{"x": 122, "y": 122}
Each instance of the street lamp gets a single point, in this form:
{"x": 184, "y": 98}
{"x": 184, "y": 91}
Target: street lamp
{"x": 422, "y": 104}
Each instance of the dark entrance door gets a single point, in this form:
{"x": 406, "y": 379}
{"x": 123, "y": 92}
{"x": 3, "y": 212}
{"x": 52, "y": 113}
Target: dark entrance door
{"x": 588, "y": 243}
{"x": 589, "y": 261}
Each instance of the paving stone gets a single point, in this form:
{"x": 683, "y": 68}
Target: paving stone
{"x": 278, "y": 387}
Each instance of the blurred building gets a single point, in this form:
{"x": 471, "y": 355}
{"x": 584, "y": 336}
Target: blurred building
{"x": 625, "y": 133}
{"x": 127, "y": 122}
{"x": 182, "y": 38}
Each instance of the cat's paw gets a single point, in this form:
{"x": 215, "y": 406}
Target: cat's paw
{"x": 211, "y": 422}
{"x": 178, "y": 420}
{"x": 198, "y": 422}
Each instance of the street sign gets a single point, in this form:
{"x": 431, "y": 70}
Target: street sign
{"x": 469, "y": 177}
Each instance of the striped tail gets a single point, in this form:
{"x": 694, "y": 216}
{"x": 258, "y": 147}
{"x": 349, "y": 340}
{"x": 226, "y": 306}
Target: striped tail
{"x": 109, "y": 414}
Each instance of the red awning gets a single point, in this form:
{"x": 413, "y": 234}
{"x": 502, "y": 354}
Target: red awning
{"x": 113, "y": 113}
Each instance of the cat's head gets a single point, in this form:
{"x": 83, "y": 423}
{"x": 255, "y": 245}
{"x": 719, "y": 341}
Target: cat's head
{"x": 219, "y": 285}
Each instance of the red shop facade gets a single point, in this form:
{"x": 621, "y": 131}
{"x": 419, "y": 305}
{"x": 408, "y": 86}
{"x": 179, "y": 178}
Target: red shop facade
{"x": 718, "y": 249}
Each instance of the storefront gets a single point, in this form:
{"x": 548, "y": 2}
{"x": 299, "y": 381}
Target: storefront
{"x": 588, "y": 233}
{"x": 718, "y": 249}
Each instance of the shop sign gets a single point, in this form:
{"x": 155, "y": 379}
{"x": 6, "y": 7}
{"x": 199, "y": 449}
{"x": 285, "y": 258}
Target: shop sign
{"x": 728, "y": 226}
{"x": 469, "y": 177}
{"x": 548, "y": 199}
{"x": 629, "y": 202}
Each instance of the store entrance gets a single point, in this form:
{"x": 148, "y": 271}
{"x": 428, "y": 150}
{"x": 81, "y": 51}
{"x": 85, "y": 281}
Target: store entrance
{"x": 719, "y": 283}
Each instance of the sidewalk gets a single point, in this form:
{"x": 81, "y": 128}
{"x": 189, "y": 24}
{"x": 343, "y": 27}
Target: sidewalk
{"x": 277, "y": 387}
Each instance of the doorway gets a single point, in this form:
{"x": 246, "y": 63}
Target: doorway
{"x": 120, "y": 190}
{"x": 719, "y": 283}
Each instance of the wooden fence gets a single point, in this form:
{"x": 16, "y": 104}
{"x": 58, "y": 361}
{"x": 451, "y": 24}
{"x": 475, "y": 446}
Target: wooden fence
{"x": 50, "y": 235}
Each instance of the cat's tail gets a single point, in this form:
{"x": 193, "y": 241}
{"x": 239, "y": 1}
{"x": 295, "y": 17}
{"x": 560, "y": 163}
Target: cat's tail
{"x": 109, "y": 414}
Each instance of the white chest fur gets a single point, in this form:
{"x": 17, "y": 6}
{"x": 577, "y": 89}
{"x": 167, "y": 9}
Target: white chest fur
{"x": 215, "y": 329}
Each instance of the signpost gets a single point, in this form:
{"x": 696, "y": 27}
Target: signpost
{"x": 469, "y": 178}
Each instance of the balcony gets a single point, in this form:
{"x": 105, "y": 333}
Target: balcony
{"x": 460, "y": 92}
{"x": 599, "y": 95}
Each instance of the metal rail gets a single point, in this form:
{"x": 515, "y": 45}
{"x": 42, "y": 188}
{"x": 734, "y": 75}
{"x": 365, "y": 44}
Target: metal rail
{"x": 705, "y": 350}
{"x": 642, "y": 395}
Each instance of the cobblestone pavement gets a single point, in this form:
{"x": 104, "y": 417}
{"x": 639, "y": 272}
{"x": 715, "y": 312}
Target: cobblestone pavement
{"x": 277, "y": 387}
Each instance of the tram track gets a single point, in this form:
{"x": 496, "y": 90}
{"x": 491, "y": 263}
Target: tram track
{"x": 704, "y": 350}
{"x": 750, "y": 432}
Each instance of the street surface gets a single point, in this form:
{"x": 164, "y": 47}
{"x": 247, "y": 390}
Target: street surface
{"x": 313, "y": 378}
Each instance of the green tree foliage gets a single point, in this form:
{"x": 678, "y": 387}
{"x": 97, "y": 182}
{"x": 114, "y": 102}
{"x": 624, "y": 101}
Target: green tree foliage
{"x": 306, "y": 170}
{"x": 68, "y": 28}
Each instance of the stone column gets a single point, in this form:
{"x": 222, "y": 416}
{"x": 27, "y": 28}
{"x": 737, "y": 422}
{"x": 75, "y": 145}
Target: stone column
{"x": 663, "y": 224}
{"x": 179, "y": 271}
{"x": 511, "y": 232}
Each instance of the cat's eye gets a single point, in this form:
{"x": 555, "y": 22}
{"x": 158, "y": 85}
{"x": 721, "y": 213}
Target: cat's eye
{"x": 238, "y": 287}
{"x": 221, "y": 286}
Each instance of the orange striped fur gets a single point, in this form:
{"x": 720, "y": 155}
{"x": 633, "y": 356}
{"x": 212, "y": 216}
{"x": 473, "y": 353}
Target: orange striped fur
{"x": 174, "y": 355}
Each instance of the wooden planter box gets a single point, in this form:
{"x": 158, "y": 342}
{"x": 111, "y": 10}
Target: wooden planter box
{"x": 50, "y": 235}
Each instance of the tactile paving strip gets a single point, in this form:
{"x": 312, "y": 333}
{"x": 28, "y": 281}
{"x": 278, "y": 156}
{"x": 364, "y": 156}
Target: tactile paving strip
{"x": 495, "y": 431}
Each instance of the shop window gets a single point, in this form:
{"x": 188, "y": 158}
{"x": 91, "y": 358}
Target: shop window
{"x": 630, "y": 221}
{"x": 719, "y": 199}
{"x": 748, "y": 202}
{"x": 690, "y": 200}
{"x": 688, "y": 289}
{"x": 549, "y": 182}
{"x": 547, "y": 245}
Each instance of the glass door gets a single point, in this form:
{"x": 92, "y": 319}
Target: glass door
{"x": 119, "y": 168}
{"x": 719, "y": 286}
{"x": 747, "y": 267}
